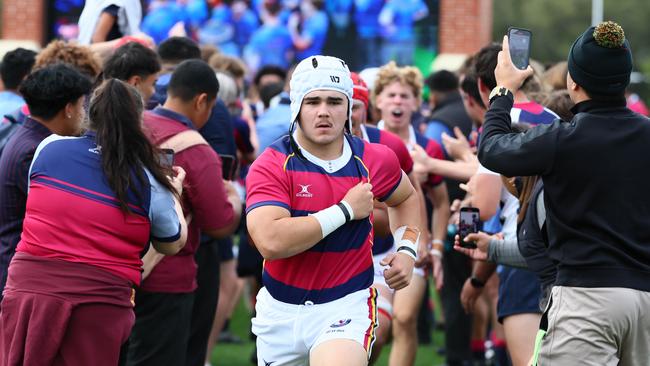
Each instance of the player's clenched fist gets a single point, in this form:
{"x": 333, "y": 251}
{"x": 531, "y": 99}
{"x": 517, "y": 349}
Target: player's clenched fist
{"x": 400, "y": 272}
{"x": 360, "y": 198}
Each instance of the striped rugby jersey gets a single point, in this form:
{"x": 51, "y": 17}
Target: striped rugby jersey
{"x": 341, "y": 263}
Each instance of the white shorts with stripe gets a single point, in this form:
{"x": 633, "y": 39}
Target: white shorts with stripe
{"x": 286, "y": 333}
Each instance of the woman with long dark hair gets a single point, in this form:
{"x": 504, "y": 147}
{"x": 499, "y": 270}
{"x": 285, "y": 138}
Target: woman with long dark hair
{"x": 94, "y": 204}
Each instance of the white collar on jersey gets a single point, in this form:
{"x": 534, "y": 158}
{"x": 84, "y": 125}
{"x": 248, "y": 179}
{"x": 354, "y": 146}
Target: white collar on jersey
{"x": 330, "y": 166}
{"x": 364, "y": 133}
{"x": 412, "y": 139}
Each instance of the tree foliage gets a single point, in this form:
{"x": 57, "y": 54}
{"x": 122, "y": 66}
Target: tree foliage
{"x": 557, "y": 23}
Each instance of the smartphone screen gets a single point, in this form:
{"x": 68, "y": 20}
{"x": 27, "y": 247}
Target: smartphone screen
{"x": 519, "y": 43}
{"x": 228, "y": 166}
{"x": 468, "y": 222}
{"x": 167, "y": 158}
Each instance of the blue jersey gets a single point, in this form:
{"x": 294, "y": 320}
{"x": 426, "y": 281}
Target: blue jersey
{"x": 219, "y": 31}
{"x": 366, "y": 17}
{"x": 402, "y": 14}
{"x": 160, "y": 21}
{"x": 245, "y": 26}
{"x": 314, "y": 29}
{"x": 269, "y": 45}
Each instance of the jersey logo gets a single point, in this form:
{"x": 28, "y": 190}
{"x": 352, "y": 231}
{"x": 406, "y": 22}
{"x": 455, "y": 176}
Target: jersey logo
{"x": 304, "y": 191}
{"x": 341, "y": 323}
{"x": 268, "y": 363}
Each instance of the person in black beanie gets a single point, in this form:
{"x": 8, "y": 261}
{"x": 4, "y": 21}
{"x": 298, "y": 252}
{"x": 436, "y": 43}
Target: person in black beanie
{"x": 598, "y": 208}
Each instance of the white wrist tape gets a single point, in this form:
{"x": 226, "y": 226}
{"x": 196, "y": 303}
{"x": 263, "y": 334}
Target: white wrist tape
{"x": 436, "y": 252}
{"x": 405, "y": 243}
{"x": 330, "y": 219}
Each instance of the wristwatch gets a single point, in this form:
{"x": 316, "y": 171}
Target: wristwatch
{"x": 476, "y": 283}
{"x": 499, "y": 91}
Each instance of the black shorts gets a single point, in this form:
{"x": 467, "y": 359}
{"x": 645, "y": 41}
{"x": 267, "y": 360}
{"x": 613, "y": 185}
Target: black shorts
{"x": 225, "y": 249}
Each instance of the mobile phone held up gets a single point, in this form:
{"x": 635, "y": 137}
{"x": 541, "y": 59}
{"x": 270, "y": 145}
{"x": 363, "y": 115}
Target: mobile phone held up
{"x": 469, "y": 222}
{"x": 228, "y": 166}
{"x": 519, "y": 44}
{"x": 167, "y": 158}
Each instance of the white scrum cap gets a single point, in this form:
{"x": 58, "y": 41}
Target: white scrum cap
{"x": 319, "y": 73}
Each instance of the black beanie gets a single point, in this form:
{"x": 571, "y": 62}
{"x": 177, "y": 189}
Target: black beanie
{"x": 600, "y": 60}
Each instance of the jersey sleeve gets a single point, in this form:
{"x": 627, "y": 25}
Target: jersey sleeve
{"x": 165, "y": 224}
{"x": 434, "y": 131}
{"x": 266, "y": 182}
{"x": 384, "y": 168}
{"x": 243, "y": 136}
{"x": 434, "y": 150}
{"x": 400, "y": 150}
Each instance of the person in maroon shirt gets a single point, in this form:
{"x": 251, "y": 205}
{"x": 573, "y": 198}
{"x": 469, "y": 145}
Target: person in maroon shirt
{"x": 55, "y": 97}
{"x": 95, "y": 203}
{"x": 164, "y": 302}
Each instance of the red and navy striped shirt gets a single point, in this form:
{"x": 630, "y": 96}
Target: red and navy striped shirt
{"x": 341, "y": 263}
{"x": 532, "y": 113}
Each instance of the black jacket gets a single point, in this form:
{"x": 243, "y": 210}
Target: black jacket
{"x": 595, "y": 171}
{"x": 452, "y": 113}
{"x": 532, "y": 240}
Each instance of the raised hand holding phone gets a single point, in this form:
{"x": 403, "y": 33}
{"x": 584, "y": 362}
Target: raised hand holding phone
{"x": 468, "y": 223}
{"x": 177, "y": 179}
{"x": 506, "y": 73}
{"x": 519, "y": 46}
{"x": 167, "y": 158}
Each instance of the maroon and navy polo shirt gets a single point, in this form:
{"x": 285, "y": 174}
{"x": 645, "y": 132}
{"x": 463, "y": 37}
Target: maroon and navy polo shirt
{"x": 204, "y": 198}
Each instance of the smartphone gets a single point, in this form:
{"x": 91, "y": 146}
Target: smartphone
{"x": 469, "y": 222}
{"x": 519, "y": 42}
{"x": 228, "y": 167}
{"x": 167, "y": 158}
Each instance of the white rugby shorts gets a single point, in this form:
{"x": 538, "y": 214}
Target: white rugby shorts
{"x": 286, "y": 333}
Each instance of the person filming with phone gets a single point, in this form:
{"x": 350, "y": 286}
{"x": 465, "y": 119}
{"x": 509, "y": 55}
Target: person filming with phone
{"x": 596, "y": 205}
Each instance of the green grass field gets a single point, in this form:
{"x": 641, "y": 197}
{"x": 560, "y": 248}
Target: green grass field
{"x": 239, "y": 355}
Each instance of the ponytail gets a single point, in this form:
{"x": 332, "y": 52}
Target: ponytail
{"x": 116, "y": 116}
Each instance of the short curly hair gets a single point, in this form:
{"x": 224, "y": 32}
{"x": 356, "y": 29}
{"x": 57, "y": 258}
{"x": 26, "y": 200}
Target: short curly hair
{"x": 78, "y": 56}
{"x": 232, "y": 65}
{"x": 407, "y": 75}
{"x": 49, "y": 89}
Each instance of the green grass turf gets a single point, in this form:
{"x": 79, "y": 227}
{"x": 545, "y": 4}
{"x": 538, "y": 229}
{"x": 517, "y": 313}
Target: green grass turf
{"x": 239, "y": 355}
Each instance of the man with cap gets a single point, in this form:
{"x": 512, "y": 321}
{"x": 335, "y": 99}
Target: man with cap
{"x": 597, "y": 206}
{"x": 309, "y": 212}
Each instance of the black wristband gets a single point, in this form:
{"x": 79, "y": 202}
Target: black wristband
{"x": 407, "y": 249}
{"x": 476, "y": 283}
{"x": 346, "y": 213}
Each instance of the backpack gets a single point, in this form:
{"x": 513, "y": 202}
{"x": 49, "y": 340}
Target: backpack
{"x": 182, "y": 141}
